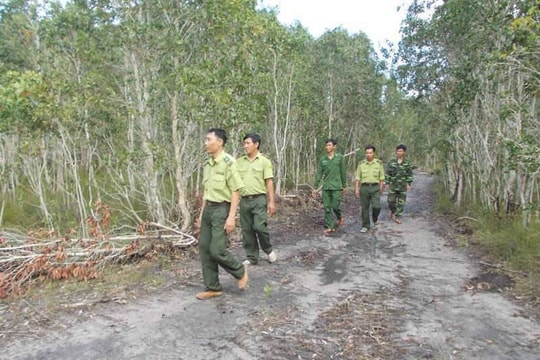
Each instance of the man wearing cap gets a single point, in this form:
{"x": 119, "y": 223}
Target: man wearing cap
{"x": 217, "y": 218}
{"x": 257, "y": 200}
{"x": 368, "y": 186}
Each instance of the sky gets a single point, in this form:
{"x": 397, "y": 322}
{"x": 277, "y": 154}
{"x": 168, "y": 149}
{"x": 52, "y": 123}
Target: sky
{"x": 378, "y": 19}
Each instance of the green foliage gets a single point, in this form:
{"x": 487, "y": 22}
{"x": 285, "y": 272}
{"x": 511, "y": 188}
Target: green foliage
{"x": 23, "y": 103}
{"x": 110, "y": 100}
{"x": 508, "y": 242}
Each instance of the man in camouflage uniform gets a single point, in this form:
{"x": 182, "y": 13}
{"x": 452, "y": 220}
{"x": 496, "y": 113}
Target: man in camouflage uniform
{"x": 221, "y": 183}
{"x": 257, "y": 200}
{"x": 368, "y": 186}
{"x": 332, "y": 171}
{"x": 398, "y": 180}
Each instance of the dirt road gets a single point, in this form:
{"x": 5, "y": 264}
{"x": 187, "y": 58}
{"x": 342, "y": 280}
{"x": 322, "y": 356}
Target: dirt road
{"x": 398, "y": 292}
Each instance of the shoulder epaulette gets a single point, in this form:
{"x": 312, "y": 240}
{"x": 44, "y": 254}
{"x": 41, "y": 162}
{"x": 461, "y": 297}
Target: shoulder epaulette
{"x": 228, "y": 159}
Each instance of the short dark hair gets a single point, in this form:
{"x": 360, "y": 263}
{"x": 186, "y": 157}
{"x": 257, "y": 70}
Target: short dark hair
{"x": 254, "y": 137}
{"x": 370, "y": 147}
{"x": 220, "y": 134}
{"x": 329, "y": 140}
{"x": 402, "y": 147}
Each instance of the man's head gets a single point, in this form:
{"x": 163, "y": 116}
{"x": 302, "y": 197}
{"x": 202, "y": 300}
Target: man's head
{"x": 252, "y": 142}
{"x": 370, "y": 152}
{"x": 330, "y": 145}
{"x": 215, "y": 140}
{"x": 400, "y": 151}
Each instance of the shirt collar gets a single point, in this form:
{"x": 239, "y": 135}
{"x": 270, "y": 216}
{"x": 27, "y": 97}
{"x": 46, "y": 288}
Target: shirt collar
{"x": 212, "y": 161}
{"x": 254, "y": 158}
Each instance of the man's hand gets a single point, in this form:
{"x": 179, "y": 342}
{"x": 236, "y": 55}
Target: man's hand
{"x": 357, "y": 193}
{"x": 408, "y": 187}
{"x": 271, "y": 208}
{"x": 230, "y": 224}
{"x": 197, "y": 226}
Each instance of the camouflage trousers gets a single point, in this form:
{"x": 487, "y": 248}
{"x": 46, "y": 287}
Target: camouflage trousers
{"x": 396, "y": 202}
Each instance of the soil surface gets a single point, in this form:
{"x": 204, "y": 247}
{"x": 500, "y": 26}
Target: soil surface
{"x": 396, "y": 292}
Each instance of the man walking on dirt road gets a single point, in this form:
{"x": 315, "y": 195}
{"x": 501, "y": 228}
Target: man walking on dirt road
{"x": 368, "y": 186}
{"x": 217, "y": 218}
{"x": 398, "y": 179}
{"x": 332, "y": 172}
{"x": 256, "y": 201}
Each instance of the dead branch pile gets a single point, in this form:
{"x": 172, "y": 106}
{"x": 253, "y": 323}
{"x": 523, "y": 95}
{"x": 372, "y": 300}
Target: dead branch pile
{"x": 45, "y": 256}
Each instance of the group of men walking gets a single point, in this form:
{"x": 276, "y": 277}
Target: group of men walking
{"x": 370, "y": 181}
{"x": 228, "y": 183}
{"x": 247, "y": 183}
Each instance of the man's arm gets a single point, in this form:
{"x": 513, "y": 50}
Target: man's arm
{"x": 270, "y": 196}
{"x": 318, "y": 177}
{"x": 357, "y": 188}
{"x": 230, "y": 223}
{"x": 410, "y": 177}
{"x": 381, "y": 178}
{"x": 198, "y": 222}
{"x": 343, "y": 173}
{"x": 358, "y": 181}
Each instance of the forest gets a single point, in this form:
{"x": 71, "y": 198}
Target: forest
{"x": 104, "y": 105}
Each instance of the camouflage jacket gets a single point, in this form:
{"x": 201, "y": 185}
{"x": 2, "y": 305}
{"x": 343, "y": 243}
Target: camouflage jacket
{"x": 398, "y": 176}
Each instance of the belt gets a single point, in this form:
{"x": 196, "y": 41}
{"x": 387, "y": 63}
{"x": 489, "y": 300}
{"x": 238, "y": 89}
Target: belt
{"x": 370, "y": 184}
{"x": 214, "y": 203}
{"x": 252, "y": 196}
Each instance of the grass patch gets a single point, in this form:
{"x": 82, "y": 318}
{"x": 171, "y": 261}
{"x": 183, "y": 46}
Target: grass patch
{"x": 501, "y": 239}
{"x": 516, "y": 247}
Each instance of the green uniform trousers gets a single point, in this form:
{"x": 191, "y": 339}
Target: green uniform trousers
{"x": 213, "y": 247}
{"x": 331, "y": 202}
{"x": 370, "y": 196}
{"x": 253, "y": 219}
{"x": 396, "y": 202}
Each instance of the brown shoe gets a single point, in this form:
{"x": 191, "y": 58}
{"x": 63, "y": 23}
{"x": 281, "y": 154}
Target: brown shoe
{"x": 328, "y": 231}
{"x": 242, "y": 282}
{"x": 341, "y": 222}
{"x": 208, "y": 294}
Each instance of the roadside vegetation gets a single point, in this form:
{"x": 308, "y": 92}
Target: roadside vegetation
{"x": 104, "y": 104}
{"x": 500, "y": 242}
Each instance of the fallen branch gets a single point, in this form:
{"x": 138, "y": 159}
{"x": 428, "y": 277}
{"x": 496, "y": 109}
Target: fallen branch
{"x": 22, "y": 262}
{"x": 466, "y": 218}
{"x": 502, "y": 268}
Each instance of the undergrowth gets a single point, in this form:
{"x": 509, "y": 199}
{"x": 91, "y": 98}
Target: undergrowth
{"x": 515, "y": 249}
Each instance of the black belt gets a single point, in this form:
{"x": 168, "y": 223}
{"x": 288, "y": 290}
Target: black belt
{"x": 214, "y": 203}
{"x": 252, "y": 196}
{"x": 370, "y": 184}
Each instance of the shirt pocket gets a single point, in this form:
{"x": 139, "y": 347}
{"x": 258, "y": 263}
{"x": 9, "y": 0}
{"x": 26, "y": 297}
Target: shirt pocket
{"x": 257, "y": 170}
{"x": 218, "y": 178}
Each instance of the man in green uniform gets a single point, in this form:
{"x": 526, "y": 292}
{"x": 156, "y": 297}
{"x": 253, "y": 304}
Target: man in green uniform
{"x": 398, "y": 180}
{"x": 332, "y": 171}
{"x": 221, "y": 183}
{"x": 257, "y": 200}
{"x": 368, "y": 186}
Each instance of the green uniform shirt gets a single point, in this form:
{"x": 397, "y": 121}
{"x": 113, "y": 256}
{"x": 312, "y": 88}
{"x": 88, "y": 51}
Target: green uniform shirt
{"x": 370, "y": 172}
{"x": 220, "y": 178}
{"x": 254, "y": 174}
{"x": 332, "y": 172}
{"x": 399, "y": 175}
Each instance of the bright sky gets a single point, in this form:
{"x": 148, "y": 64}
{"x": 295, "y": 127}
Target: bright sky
{"x": 378, "y": 19}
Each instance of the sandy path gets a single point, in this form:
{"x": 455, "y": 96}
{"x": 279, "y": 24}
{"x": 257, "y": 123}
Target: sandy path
{"x": 394, "y": 293}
